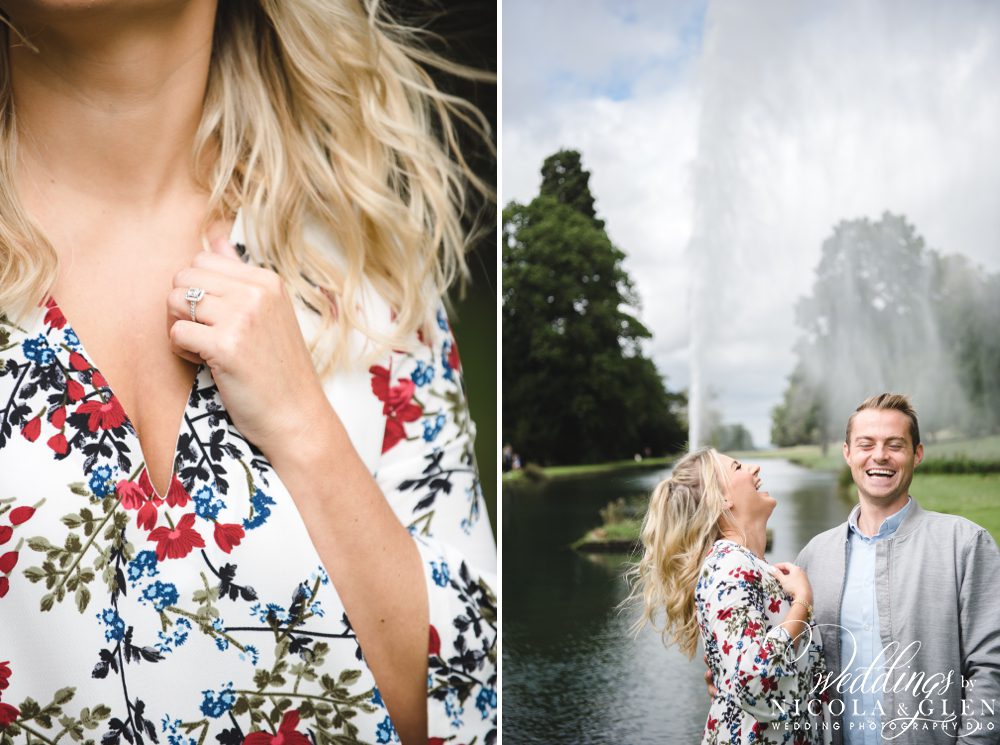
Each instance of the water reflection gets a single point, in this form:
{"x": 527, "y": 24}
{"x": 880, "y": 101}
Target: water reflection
{"x": 571, "y": 672}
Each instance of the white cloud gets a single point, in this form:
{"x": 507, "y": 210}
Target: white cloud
{"x": 788, "y": 118}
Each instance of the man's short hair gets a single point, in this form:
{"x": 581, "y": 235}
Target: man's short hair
{"x": 889, "y": 402}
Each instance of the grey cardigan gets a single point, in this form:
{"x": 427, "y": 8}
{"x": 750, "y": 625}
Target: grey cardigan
{"x": 937, "y": 580}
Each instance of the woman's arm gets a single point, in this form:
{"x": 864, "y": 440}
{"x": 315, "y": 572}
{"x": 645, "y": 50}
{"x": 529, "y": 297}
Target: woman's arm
{"x": 371, "y": 558}
{"x": 249, "y": 336}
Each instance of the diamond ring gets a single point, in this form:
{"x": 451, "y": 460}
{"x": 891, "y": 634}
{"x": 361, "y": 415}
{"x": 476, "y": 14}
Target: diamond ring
{"x": 193, "y": 296}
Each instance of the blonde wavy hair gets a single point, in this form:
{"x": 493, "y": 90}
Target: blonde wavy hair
{"x": 319, "y": 113}
{"x": 684, "y": 518}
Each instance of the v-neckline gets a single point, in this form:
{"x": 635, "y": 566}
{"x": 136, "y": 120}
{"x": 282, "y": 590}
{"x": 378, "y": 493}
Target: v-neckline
{"x": 135, "y": 445}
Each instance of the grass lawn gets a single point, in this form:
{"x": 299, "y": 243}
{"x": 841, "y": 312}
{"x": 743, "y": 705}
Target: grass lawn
{"x": 971, "y": 495}
{"x": 554, "y": 472}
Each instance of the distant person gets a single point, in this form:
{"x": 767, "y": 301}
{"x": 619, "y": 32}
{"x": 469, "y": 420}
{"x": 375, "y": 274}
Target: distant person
{"x": 703, "y": 565}
{"x": 906, "y": 596}
{"x": 507, "y": 457}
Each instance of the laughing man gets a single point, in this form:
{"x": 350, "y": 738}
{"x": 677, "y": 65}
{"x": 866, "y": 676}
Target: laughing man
{"x": 907, "y": 600}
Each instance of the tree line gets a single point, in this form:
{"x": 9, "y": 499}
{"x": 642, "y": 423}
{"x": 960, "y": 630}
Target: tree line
{"x": 887, "y": 313}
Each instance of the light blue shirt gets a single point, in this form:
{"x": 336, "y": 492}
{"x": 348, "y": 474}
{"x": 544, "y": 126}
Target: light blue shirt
{"x": 860, "y": 628}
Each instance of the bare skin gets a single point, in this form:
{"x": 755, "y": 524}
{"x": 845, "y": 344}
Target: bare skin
{"x": 107, "y": 111}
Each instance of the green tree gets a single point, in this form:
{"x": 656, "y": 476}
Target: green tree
{"x": 576, "y": 385}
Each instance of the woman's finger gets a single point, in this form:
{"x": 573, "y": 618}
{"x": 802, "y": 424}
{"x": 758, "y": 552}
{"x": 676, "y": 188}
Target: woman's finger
{"x": 210, "y": 280}
{"x": 225, "y": 264}
{"x": 194, "y": 338}
{"x": 209, "y": 310}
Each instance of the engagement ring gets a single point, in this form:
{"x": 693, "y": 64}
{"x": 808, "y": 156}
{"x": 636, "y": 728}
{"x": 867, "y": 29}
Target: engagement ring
{"x": 193, "y": 296}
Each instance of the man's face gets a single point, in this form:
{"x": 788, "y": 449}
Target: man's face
{"x": 881, "y": 455}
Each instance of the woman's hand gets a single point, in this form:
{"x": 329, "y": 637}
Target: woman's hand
{"x": 247, "y": 333}
{"x": 794, "y": 581}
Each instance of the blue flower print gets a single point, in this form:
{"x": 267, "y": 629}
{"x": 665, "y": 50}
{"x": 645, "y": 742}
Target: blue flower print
{"x": 261, "y": 510}
{"x": 385, "y": 732}
{"x": 161, "y": 594}
{"x": 449, "y": 374}
{"x": 144, "y": 563}
{"x": 169, "y": 642}
{"x": 205, "y": 504}
{"x": 170, "y": 728}
{"x": 440, "y": 574}
{"x": 423, "y": 375}
{"x": 433, "y": 429}
{"x": 377, "y": 698}
{"x": 38, "y": 350}
{"x": 442, "y": 320}
{"x": 216, "y": 704}
{"x": 250, "y": 652}
{"x": 70, "y": 339}
{"x": 114, "y": 625}
{"x": 486, "y": 702}
{"x": 101, "y": 483}
{"x": 453, "y": 708}
{"x": 220, "y": 641}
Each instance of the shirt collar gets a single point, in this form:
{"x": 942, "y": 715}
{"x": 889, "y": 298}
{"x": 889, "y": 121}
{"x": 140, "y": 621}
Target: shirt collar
{"x": 886, "y": 529}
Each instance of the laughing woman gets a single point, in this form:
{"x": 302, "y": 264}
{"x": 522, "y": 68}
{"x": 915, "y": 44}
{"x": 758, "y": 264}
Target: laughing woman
{"x": 238, "y": 500}
{"x": 703, "y": 565}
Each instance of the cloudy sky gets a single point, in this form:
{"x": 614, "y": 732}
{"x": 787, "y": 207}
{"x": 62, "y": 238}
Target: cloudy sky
{"x": 745, "y": 131}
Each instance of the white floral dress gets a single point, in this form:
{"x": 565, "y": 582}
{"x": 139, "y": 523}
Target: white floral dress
{"x": 764, "y": 681}
{"x": 205, "y": 615}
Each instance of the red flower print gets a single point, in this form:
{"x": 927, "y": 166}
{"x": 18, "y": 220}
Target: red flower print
{"x": 286, "y": 733}
{"x": 74, "y": 391}
{"x": 751, "y": 629}
{"x": 4, "y": 674}
{"x": 5, "y": 533}
{"x": 58, "y": 443}
{"x": 768, "y": 684}
{"x": 453, "y": 361}
{"x": 397, "y": 404}
{"x": 57, "y": 417}
{"x": 103, "y": 414}
{"x": 146, "y": 517}
{"x": 78, "y": 362}
{"x": 145, "y": 484}
{"x": 177, "y": 496}
{"x": 32, "y": 429}
{"x": 436, "y": 741}
{"x": 712, "y": 724}
{"x": 758, "y": 728}
{"x": 8, "y": 561}
{"x": 228, "y": 535}
{"x": 726, "y": 647}
{"x": 724, "y": 614}
{"x": 774, "y": 606}
{"x": 434, "y": 648}
{"x": 19, "y": 515}
{"x": 8, "y": 713}
{"x": 53, "y": 316}
{"x": 130, "y": 494}
{"x": 4, "y": 587}
{"x": 98, "y": 380}
{"x": 179, "y": 542}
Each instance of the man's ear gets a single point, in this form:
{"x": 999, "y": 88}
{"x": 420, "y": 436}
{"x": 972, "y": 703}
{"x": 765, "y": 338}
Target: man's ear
{"x": 847, "y": 451}
{"x": 919, "y": 454}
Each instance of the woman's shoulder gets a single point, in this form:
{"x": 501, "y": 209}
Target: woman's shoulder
{"x": 729, "y": 561}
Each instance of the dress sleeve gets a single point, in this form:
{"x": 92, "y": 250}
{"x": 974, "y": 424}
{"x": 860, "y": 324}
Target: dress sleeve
{"x": 427, "y": 472}
{"x": 759, "y": 664}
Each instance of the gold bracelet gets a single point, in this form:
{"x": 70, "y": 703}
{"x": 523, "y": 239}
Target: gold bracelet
{"x": 804, "y": 604}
